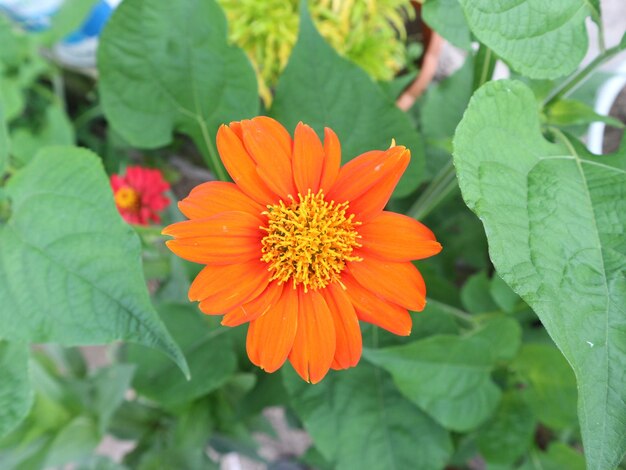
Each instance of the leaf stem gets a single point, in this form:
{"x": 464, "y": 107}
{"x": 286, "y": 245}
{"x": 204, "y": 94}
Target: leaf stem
{"x": 59, "y": 89}
{"x": 5, "y": 206}
{"x": 563, "y": 138}
{"x": 86, "y": 117}
{"x": 218, "y": 169}
{"x": 148, "y": 231}
{"x": 570, "y": 85}
{"x": 453, "y": 311}
{"x": 438, "y": 189}
{"x": 374, "y": 337}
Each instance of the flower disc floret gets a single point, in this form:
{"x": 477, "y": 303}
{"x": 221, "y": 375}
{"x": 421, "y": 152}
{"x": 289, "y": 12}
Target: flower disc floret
{"x": 309, "y": 240}
{"x": 127, "y": 198}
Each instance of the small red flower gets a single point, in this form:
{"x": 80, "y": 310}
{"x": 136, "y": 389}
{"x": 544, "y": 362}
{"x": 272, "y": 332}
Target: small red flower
{"x": 139, "y": 194}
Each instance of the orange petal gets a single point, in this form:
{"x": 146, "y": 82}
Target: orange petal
{"x": 273, "y": 164}
{"x": 241, "y": 167}
{"x": 214, "y": 197}
{"x": 332, "y": 159}
{"x": 314, "y": 346}
{"x": 367, "y": 181}
{"x": 255, "y": 308}
{"x": 400, "y": 283}
{"x": 225, "y": 238}
{"x": 270, "y": 337}
{"x": 222, "y": 288}
{"x": 397, "y": 237}
{"x": 372, "y": 309}
{"x": 347, "y": 330}
{"x": 308, "y": 159}
{"x": 235, "y": 126}
{"x": 278, "y": 132}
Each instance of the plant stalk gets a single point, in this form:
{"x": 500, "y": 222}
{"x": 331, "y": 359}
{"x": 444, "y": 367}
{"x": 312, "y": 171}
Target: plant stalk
{"x": 570, "y": 85}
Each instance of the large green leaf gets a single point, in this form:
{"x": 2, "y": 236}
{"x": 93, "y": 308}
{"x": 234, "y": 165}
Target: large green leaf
{"x": 447, "y": 18}
{"x": 555, "y": 221}
{"x": 447, "y": 376}
{"x": 166, "y": 66}
{"x": 70, "y": 267}
{"x": 358, "y": 420}
{"x": 537, "y": 38}
{"x": 207, "y": 346}
{"x": 16, "y": 395}
{"x": 323, "y": 89}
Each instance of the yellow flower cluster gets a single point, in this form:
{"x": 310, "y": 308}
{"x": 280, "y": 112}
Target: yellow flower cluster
{"x": 369, "y": 32}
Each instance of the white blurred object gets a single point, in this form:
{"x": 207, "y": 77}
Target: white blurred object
{"x": 33, "y": 15}
{"x": 606, "y": 97}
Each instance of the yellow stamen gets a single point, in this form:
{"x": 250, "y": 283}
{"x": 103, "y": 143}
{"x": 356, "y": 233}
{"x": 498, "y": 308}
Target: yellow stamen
{"x": 309, "y": 240}
{"x": 127, "y": 198}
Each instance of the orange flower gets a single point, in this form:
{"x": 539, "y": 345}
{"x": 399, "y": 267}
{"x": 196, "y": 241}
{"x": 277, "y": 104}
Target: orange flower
{"x": 301, "y": 248}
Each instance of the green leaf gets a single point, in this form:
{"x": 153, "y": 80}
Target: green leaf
{"x": 555, "y": 220}
{"x": 323, "y": 89}
{"x": 437, "y": 318}
{"x": 99, "y": 462}
{"x": 573, "y": 112}
{"x": 11, "y": 97}
{"x": 394, "y": 87}
{"x": 509, "y": 434}
{"x": 503, "y": 295}
{"x": 476, "y": 294}
{"x": 504, "y": 336}
{"x": 445, "y": 102}
{"x": 549, "y": 385}
{"x": 75, "y": 441}
{"x": 20, "y": 65}
{"x": 447, "y": 18}
{"x": 208, "y": 349}
{"x": 70, "y": 267}
{"x": 16, "y": 394}
{"x": 176, "y": 72}
{"x": 4, "y": 143}
{"x": 441, "y": 110}
{"x": 56, "y": 129}
{"x": 558, "y": 457}
{"x": 446, "y": 376}
{"x": 357, "y": 417}
{"x": 484, "y": 65}
{"x": 109, "y": 387}
{"x": 537, "y": 38}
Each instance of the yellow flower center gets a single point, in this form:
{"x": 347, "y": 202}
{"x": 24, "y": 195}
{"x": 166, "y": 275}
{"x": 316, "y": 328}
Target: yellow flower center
{"x": 127, "y": 198}
{"x": 309, "y": 240}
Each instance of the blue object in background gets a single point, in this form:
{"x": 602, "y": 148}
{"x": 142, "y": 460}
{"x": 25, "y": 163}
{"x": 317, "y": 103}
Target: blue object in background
{"x": 78, "y": 49}
{"x": 94, "y": 23}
